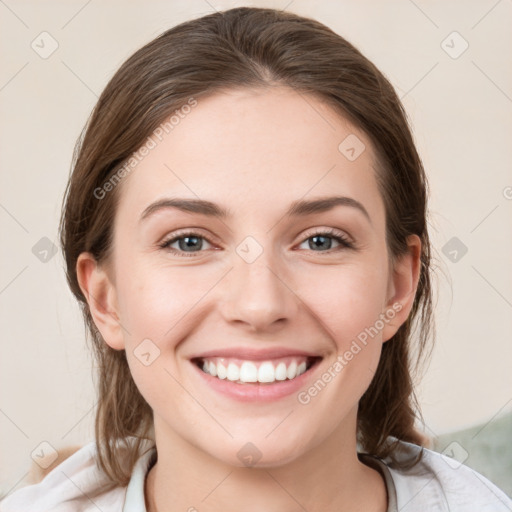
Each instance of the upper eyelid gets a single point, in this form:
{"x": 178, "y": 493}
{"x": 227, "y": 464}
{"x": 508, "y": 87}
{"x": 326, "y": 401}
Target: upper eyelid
{"x": 186, "y": 231}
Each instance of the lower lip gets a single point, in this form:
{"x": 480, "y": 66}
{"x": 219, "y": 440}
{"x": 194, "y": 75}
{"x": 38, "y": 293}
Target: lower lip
{"x": 257, "y": 392}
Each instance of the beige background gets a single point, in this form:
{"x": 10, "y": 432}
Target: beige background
{"x": 460, "y": 109}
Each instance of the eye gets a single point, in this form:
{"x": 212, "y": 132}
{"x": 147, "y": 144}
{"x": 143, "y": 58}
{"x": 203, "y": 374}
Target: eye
{"x": 187, "y": 243}
{"x": 323, "y": 240}
{"x": 191, "y": 242}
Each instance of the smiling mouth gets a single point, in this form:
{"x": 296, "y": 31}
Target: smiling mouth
{"x": 241, "y": 371}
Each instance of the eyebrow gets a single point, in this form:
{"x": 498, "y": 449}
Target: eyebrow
{"x": 299, "y": 208}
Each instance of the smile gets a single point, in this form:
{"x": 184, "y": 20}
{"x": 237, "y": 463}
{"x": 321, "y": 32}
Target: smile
{"x": 241, "y": 371}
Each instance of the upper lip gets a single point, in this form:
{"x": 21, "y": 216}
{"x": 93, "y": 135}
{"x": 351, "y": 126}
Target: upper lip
{"x": 255, "y": 354}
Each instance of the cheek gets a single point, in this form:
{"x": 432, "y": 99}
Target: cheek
{"x": 157, "y": 306}
{"x": 346, "y": 299}
{"x": 157, "y": 301}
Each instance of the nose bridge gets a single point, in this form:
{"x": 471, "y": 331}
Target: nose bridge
{"x": 257, "y": 293}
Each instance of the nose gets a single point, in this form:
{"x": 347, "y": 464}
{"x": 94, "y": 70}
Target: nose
{"x": 259, "y": 294}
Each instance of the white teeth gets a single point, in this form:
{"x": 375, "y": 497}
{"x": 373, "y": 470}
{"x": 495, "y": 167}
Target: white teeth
{"x": 301, "y": 369}
{"x": 266, "y": 372}
{"x": 221, "y": 371}
{"x": 292, "y": 370}
{"x": 233, "y": 372}
{"x": 280, "y": 373}
{"x": 248, "y": 371}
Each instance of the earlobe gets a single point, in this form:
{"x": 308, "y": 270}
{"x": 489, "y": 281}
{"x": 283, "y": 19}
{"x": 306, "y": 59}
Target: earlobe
{"x": 402, "y": 288}
{"x": 100, "y": 293}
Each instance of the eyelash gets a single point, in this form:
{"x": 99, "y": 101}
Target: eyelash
{"x": 330, "y": 233}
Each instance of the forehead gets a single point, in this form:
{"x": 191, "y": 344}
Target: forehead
{"x": 248, "y": 147}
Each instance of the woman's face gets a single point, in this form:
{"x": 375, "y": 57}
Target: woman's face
{"x": 264, "y": 288}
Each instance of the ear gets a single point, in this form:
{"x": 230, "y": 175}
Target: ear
{"x": 101, "y": 297}
{"x": 402, "y": 286}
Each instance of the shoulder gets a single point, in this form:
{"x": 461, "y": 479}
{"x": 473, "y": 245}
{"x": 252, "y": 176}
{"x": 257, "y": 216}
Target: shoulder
{"x": 441, "y": 483}
{"x": 77, "y": 484}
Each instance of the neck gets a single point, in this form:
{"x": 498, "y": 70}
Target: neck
{"x": 329, "y": 477}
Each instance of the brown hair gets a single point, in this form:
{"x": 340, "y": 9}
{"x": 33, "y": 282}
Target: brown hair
{"x": 248, "y": 47}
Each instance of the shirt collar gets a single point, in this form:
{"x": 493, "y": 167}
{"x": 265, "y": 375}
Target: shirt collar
{"x": 134, "y": 500}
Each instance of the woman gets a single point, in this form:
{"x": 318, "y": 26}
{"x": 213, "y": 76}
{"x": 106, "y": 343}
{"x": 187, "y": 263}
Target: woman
{"x": 245, "y": 229}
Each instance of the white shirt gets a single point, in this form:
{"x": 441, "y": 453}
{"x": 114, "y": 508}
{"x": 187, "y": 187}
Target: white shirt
{"x": 436, "y": 483}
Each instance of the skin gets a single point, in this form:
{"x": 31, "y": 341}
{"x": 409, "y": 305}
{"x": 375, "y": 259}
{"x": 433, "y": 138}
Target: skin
{"x": 253, "y": 152}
